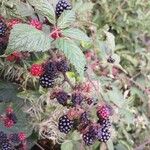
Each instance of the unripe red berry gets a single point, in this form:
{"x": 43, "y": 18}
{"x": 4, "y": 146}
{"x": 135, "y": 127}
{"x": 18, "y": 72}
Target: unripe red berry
{"x": 36, "y": 70}
{"x": 12, "y": 22}
{"x": 9, "y": 110}
{"x": 37, "y": 24}
{"x": 22, "y": 136}
{"x": 8, "y": 123}
{"x": 104, "y": 112}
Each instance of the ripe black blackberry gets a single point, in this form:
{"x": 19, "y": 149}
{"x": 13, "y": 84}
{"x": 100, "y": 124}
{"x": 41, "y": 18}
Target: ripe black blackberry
{"x": 3, "y": 28}
{"x": 14, "y": 138}
{"x": 61, "y": 6}
{"x": 51, "y": 69}
{"x": 110, "y": 60}
{"x": 88, "y": 138}
{"x": 13, "y": 117}
{"x": 65, "y": 124}
{"x": 46, "y": 81}
{"x": 62, "y": 97}
{"x": 3, "y": 137}
{"x": 103, "y": 134}
{"x": 77, "y": 98}
{"x": 62, "y": 66}
{"x": 6, "y": 146}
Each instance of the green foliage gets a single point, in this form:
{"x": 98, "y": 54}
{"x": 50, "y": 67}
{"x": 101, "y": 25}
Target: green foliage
{"x": 44, "y": 8}
{"x": 24, "y": 37}
{"x": 66, "y": 19}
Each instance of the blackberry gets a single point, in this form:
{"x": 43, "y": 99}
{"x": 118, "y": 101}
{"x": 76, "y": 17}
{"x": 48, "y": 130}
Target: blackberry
{"x": 51, "y": 69}
{"x": 6, "y": 146}
{"x": 14, "y": 138}
{"x": 103, "y": 134}
{"x": 3, "y": 28}
{"x": 62, "y": 66}
{"x": 62, "y": 97}
{"x": 110, "y": 60}
{"x": 46, "y": 81}
{"x": 13, "y": 117}
{"x": 65, "y": 124}
{"x": 88, "y": 138}
{"x": 61, "y": 6}
{"x": 104, "y": 122}
{"x": 3, "y": 137}
{"x": 77, "y": 98}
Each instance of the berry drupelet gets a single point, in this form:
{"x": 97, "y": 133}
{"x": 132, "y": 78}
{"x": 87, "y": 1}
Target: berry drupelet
{"x": 3, "y": 28}
{"x": 46, "y": 81}
{"x": 61, "y": 6}
{"x": 62, "y": 97}
{"x": 77, "y": 98}
{"x": 65, "y": 124}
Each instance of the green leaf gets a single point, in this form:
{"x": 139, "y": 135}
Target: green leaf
{"x": 24, "y": 37}
{"x": 116, "y": 96}
{"x": 66, "y": 19}
{"x": 73, "y": 53}
{"x": 24, "y": 9}
{"x": 76, "y": 34}
{"x": 8, "y": 91}
{"x": 67, "y": 145}
{"x": 45, "y": 8}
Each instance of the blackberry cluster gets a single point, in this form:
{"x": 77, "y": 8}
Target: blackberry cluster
{"x": 62, "y": 97}
{"x": 77, "y": 98}
{"x": 3, "y": 28}
{"x": 62, "y": 66}
{"x": 65, "y": 124}
{"x": 61, "y": 6}
{"x": 46, "y": 81}
{"x": 110, "y": 60}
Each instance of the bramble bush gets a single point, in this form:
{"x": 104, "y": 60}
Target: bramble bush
{"x": 74, "y": 74}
